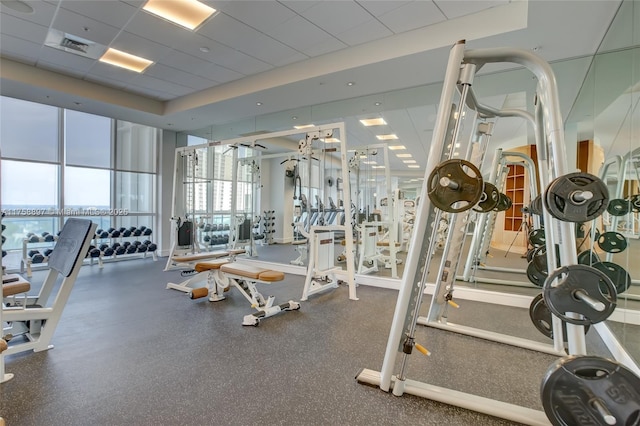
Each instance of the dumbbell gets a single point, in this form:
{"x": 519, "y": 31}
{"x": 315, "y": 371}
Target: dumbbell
{"x": 103, "y": 247}
{"x": 146, "y": 242}
{"x": 142, "y": 228}
{"x": 33, "y": 238}
{"x": 4, "y": 253}
{"x": 115, "y": 246}
{"x": 147, "y": 231}
{"x": 136, "y": 232}
{"x": 48, "y": 252}
{"x": 213, "y": 227}
{"x": 94, "y": 252}
{"x": 108, "y": 251}
{"x": 35, "y": 256}
{"x": 136, "y": 243}
{"x": 132, "y": 249}
{"x": 120, "y": 250}
{"x": 102, "y": 234}
{"x": 49, "y": 237}
{"x": 113, "y": 233}
{"x": 206, "y": 238}
{"x": 126, "y": 244}
{"x": 4, "y": 239}
{"x": 225, "y": 239}
{"x": 142, "y": 248}
{"x": 152, "y": 247}
{"x": 226, "y": 227}
{"x": 126, "y": 233}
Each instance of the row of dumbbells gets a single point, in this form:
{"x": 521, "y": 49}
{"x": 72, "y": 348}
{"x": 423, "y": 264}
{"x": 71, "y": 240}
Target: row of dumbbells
{"x": 37, "y": 257}
{"x": 42, "y": 238}
{"x": 117, "y": 249}
{"x": 212, "y": 227}
{"x": 123, "y": 232}
{"x": 216, "y": 240}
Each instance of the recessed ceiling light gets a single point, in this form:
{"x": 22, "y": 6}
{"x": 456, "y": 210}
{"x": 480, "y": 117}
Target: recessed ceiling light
{"x": 331, "y": 140}
{"x": 413, "y": 166}
{"x": 409, "y": 161}
{"x": 351, "y": 83}
{"x": 397, "y": 147}
{"x": 378, "y": 103}
{"x": 363, "y": 156}
{"x": 259, "y": 103}
{"x": 373, "y": 122}
{"x": 205, "y": 49}
{"x": 404, "y": 155}
{"x": 304, "y": 126}
{"x": 369, "y": 162}
{"x": 391, "y": 136}
{"x": 125, "y": 60}
{"x": 377, "y": 167}
{"x": 186, "y": 13}
{"x": 455, "y": 154}
{"x": 294, "y": 117}
{"x": 18, "y": 6}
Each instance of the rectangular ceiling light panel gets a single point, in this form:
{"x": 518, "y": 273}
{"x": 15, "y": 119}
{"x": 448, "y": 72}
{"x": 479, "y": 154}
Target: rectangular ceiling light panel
{"x": 373, "y": 122}
{"x": 125, "y": 60}
{"x": 388, "y": 137}
{"x": 186, "y": 13}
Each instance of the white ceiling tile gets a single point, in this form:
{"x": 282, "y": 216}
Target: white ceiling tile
{"x": 416, "y": 14}
{"x": 261, "y": 15}
{"x": 299, "y": 33}
{"x": 114, "y": 13}
{"x": 73, "y": 23}
{"x": 61, "y": 67}
{"x": 148, "y": 82}
{"x": 160, "y": 31}
{"x": 66, "y": 59}
{"x": 167, "y": 73}
{"x": 25, "y": 30}
{"x": 380, "y": 7}
{"x": 296, "y": 57}
{"x": 329, "y": 45}
{"x": 136, "y": 45}
{"x": 111, "y": 72}
{"x": 200, "y": 67}
{"x": 42, "y": 13}
{"x": 454, "y": 9}
{"x": 368, "y": 31}
{"x": 299, "y": 6}
{"x": 232, "y": 59}
{"x": 25, "y": 51}
{"x": 105, "y": 81}
{"x": 336, "y": 16}
{"x": 237, "y": 35}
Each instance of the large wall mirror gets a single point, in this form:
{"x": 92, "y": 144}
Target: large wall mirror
{"x": 599, "y": 98}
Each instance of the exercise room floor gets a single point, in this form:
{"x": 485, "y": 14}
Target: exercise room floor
{"x": 128, "y": 351}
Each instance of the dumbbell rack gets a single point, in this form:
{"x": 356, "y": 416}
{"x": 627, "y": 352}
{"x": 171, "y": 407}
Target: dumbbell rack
{"x": 121, "y": 238}
{"x": 213, "y": 235}
{"x": 26, "y": 263}
{"x": 268, "y": 226}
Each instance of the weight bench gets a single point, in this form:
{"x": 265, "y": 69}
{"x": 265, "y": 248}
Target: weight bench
{"x": 244, "y": 277}
{"x": 201, "y": 274}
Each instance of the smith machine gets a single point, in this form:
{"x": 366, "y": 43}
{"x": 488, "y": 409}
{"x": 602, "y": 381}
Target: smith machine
{"x": 577, "y": 389}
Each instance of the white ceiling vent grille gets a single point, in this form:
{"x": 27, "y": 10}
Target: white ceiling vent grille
{"x": 73, "y": 44}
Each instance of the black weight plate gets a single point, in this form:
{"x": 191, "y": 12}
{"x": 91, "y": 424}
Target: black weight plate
{"x": 535, "y": 276}
{"x": 563, "y": 297}
{"x": 537, "y": 237}
{"x": 561, "y": 202}
{"x": 489, "y": 198}
{"x": 529, "y": 254}
{"x": 574, "y": 385}
{"x": 469, "y": 188}
{"x": 542, "y": 319}
{"x": 588, "y": 257}
{"x": 612, "y": 242}
{"x": 504, "y": 203}
{"x": 618, "y": 207}
{"x": 540, "y": 261}
{"x": 620, "y": 277}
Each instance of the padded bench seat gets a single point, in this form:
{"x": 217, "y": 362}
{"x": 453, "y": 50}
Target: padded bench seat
{"x": 252, "y": 272}
{"x": 15, "y": 286}
{"x": 210, "y": 265}
{"x": 208, "y": 255}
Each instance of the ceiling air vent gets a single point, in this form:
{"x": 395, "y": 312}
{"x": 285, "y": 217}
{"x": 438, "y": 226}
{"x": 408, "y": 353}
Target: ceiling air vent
{"x": 74, "y": 44}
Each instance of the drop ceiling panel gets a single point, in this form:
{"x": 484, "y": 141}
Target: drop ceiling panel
{"x": 53, "y": 56}
{"x": 299, "y": 33}
{"x": 160, "y": 31}
{"x": 454, "y": 9}
{"x": 21, "y": 50}
{"x": 102, "y": 70}
{"x": 73, "y": 23}
{"x": 299, "y": 6}
{"x": 155, "y": 84}
{"x": 20, "y": 28}
{"x": 105, "y": 81}
{"x": 368, "y": 31}
{"x": 113, "y": 13}
{"x": 336, "y": 16}
{"x": 167, "y": 73}
{"x": 67, "y": 68}
{"x": 237, "y": 35}
{"x": 261, "y": 15}
{"x": 327, "y": 46}
{"x": 380, "y": 7}
{"x": 42, "y": 13}
{"x": 201, "y": 68}
{"x": 416, "y": 14}
{"x": 136, "y": 45}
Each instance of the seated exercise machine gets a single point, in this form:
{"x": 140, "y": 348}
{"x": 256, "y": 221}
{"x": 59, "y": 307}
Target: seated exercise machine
{"x": 28, "y": 322}
{"x": 201, "y": 274}
{"x": 221, "y": 274}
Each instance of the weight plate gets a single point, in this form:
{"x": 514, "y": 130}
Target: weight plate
{"x": 542, "y": 319}
{"x": 612, "y": 242}
{"x": 580, "y": 289}
{"x": 489, "y": 198}
{"x": 504, "y": 203}
{"x": 619, "y": 207}
{"x": 576, "y": 197}
{"x": 589, "y": 390}
{"x": 535, "y": 276}
{"x": 529, "y": 254}
{"x": 536, "y": 205}
{"x": 620, "y": 277}
{"x": 588, "y": 257}
{"x": 450, "y": 183}
{"x": 537, "y": 238}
